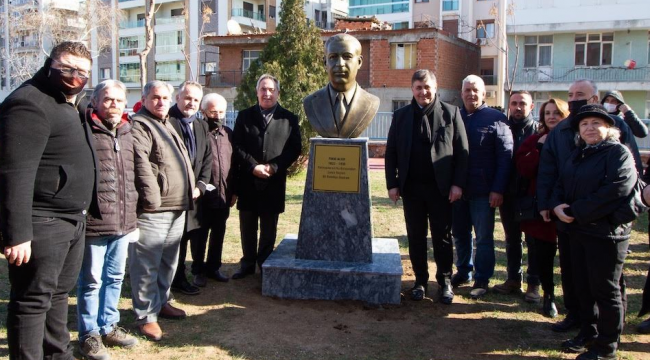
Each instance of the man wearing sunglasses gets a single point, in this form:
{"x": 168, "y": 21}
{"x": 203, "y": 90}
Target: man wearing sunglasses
{"x": 47, "y": 177}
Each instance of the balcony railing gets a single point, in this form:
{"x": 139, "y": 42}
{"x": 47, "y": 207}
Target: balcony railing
{"x": 131, "y": 24}
{"x": 26, "y": 44}
{"x": 255, "y": 15}
{"x": 450, "y": 5}
{"x": 567, "y": 75}
{"x": 325, "y": 25}
{"x": 170, "y": 20}
{"x": 130, "y": 77}
{"x": 131, "y": 51}
{"x": 169, "y": 49}
{"x": 489, "y": 79}
{"x": 175, "y": 76}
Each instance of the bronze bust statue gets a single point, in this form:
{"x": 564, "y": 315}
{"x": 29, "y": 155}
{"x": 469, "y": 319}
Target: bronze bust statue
{"x": 342, "y": 109}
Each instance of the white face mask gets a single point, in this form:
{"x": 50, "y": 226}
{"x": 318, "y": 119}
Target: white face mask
{"x": 611, "y": 108}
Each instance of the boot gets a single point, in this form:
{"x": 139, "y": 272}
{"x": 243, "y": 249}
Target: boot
{"x": 549, "y": 309}
{"x": 532, "y": 294}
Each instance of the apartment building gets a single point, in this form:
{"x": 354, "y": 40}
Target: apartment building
{"x": 558, "y": 42}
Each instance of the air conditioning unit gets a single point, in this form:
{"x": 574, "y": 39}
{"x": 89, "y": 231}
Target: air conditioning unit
{"x": 491, "y": 94}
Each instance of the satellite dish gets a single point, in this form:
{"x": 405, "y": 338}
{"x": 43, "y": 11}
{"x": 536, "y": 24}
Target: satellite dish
{"x": 233, "y": 27}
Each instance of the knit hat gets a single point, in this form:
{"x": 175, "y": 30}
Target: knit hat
{"x": 615, "y": 94}
{"x": 591, "y": 110}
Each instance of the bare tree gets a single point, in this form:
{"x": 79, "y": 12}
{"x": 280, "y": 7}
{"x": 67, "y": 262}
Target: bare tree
{"x": 148, "y": 33}
{"x": 36, "y": 28}
{"x": 196, "y": 44}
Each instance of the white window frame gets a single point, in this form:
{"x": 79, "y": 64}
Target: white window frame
{"x": 105, "y": 73}
{"x": 401, "y": 49}
{"x": 247, "y": 58}
{"x": 590, "y": 39}
{"x": 538, "y": 46}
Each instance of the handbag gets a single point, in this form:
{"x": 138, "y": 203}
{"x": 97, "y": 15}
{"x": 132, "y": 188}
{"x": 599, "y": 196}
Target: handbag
{"x": 526, "y": 208}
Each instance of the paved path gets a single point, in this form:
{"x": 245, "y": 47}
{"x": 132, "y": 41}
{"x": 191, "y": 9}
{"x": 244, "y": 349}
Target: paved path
{"x": 376, "y": 164}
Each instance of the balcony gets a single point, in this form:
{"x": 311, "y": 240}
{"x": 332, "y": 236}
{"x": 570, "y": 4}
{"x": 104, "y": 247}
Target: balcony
{"x": 131, "y": 24}
{"x": 259, "y": 16}
{"x": 169, "y": 49}
{"x": 130, "y": 77}
{"x": 170, "y": 20}
{"x": 26, "y": 44}
{"x": 325, "y": 25}
{"x": 130, "y": 51}
{"x": 223, "y": 78}
{"x": 489, "y": 79}
{"x": 171, "y": 76}
{"x": 450, "y": 5}
{"x": 570, "y": 74}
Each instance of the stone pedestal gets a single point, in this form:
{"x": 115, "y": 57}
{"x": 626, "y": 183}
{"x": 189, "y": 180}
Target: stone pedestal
{"x": 334, "y": 256}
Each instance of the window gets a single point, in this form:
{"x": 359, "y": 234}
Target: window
{"x": 169, "y": 42}
{"x": 648, "y": 47}
{"x": 421, "y": 1}
{"x": 400, "y": 104}
{"x": 131, "y": 45}
{"x": 140, "y": 17}
{"x": 594, "y": 49}
{"x": 208, "y": 67}
{"x": 449, "y": 5}
{"x": 105, "y": 73}
{"x": 485, "y": 29}
{"x": 177, "y": 12}
{"x": 400, "y": 25}
{"x": 538, "y": 51}
{"x": 487, "y": 71}
{"x": 170, "y": 71}
{"x": 272, "y": 12}
{"x": 130, "y": 73}
{"x": 403, "y": 56}
{"x": 248, "y": 57}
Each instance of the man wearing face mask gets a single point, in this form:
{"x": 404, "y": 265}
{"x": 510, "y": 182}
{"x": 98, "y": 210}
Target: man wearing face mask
{"x": 182, "y": 116}
{"x": 615, "y": 104}
{"x": 557, "y": 148}
{"x": 218, "y": 194}
{"x": 47, "y": 177}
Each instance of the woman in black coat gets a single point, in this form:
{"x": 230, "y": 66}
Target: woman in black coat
{"x": 590, "y": 200}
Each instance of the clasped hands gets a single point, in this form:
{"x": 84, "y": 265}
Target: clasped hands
{"x": 263, "y": 171}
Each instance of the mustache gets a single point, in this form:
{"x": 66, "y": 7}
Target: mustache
{"x": 113, "y": 111}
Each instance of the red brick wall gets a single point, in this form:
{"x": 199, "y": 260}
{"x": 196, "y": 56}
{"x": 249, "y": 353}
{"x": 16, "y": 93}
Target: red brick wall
{"x": 454, "y": 64}
{"x": 230, "y": 58}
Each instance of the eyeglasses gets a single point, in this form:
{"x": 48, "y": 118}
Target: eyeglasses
{"x": 70, "y": 71}
{"x": 212, "y": 113}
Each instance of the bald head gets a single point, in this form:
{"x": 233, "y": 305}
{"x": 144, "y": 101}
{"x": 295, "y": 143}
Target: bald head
{"x": 213, "y": 107}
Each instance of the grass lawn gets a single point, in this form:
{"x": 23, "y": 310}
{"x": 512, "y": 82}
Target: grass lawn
{"x": 234, "y": 321}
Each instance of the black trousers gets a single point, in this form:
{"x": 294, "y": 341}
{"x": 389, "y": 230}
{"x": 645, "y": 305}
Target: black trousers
{"x": 541, "y": 258}
{"x": 38, "y": 303}
{"x": 255, "y": 253}
{"x": 425, "y": 207}
{"x": 597, "y": 267}
{"x": 215, "y": 220}
{"x": 566, "y": 274}
{"x": 515, "y": 245}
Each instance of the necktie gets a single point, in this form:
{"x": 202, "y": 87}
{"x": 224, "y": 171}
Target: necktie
{"x": 339, "y": 109}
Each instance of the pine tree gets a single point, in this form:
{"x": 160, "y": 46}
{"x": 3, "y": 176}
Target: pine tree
{"x": 294, "y": 55}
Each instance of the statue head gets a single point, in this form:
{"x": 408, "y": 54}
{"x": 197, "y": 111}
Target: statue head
{"x": 343, "y": 59}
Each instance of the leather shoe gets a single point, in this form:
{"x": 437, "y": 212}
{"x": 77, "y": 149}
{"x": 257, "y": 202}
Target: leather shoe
{"x": 570, "y": 322}
{"x": 594, "y": 355}
{"x": 549, "y": 309}
{"x": 578, "y": 344}
{"x": 644, "y": 327}
{"x": 218, "y": 276}
{"x": 170, "y": 312}
{"x": 418, "y": 292}
{"x": 240, "y": 274}
{"x": 458, "y": 280}
{"x": 446, "y": 294}
{"x": 183, "y": 286}
{"x": 200, "y": 280}
{"x": 151, "y": 331}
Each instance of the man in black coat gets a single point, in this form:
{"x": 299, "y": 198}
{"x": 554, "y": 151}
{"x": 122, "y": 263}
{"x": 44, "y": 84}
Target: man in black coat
{"x": 47, "y": 177}
{"x": 266, "y": 142}
{"x": 426, "y": 164}
{"x": 182, "y": 117}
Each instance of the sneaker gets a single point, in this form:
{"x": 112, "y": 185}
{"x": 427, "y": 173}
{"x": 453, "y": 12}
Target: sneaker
{"x": 458, "y": 280}
{"x": 418, "y": 292}
{"x": 92, "y": 348}
{"x": 120, "y": 337}
{"x": 508, "y": 287}
{"x": 478, "y": 290}
{"x": 578, "y": 344}
{"x": 532, "y": 294}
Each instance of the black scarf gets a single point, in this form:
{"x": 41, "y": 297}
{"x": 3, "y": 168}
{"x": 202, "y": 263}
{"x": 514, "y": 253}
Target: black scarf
{"x": 425, "y": 115}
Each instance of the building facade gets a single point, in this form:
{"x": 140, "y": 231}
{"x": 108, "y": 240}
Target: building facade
{"x": 553, "y": 43}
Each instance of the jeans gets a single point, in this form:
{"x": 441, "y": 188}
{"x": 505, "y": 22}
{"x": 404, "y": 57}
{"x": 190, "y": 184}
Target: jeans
{"x": 37, "y": 313}
{"x": 152, "y": 262}
{"x": 100, "y": 283}
{"x": 477, "y": 213}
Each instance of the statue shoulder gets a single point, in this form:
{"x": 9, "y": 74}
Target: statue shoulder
{"x": 371, "y": 99}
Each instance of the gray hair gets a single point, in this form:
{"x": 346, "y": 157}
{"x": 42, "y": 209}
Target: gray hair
{"x": 474, "y": 79}
{"x": 424, "y": 75}
{"x": 590, "y": 82}
{"x": 267, "y": 76}
{"x": 107, "y": 84}
{"x": 154, "y": 85}
{"x": 211, "y": 98}
{"x": 187, "y": 83}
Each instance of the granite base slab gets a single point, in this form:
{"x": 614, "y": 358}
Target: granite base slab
{"x": 378, "y": 282}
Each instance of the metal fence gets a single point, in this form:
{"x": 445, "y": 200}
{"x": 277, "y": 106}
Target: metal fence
{"x": 570, "y": 74}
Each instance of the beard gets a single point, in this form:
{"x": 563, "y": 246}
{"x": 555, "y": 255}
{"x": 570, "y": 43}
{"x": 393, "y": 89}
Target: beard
{"x": 113, "y": 119}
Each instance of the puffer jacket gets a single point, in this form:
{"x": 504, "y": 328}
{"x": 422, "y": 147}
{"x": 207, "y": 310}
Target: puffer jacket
{"x": 163, "y": 170}
{"x": 116, "y": 194}
{"x": 595, "y": 183}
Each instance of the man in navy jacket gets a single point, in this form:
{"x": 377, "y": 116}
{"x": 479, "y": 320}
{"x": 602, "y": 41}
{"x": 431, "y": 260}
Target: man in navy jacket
{"x": 490, "y": 155}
